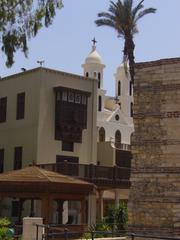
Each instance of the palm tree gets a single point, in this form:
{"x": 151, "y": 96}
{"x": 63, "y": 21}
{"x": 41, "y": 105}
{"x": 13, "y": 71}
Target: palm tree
{"x": 123, "y": 17}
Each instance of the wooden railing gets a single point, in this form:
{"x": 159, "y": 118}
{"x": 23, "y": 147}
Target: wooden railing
{"x": 91, "y": 172}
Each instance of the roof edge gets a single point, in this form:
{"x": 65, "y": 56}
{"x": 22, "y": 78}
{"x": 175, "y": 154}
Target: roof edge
{"x": 158, "y": 62}
{"x": 47, "y": 70}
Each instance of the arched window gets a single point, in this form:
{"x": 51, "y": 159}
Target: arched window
{"x": 87, "y": 74}
{"x": 131, "y": 111}
{"x": 99, "y": 103}
{"x": 99, "y": 76}
{"x": 118, "y": 139}
{"x": 102, "y": 135}
{"x": 99, "y": 83}
{"x": 99, "y": 79}
{"x": 119, "y": 88}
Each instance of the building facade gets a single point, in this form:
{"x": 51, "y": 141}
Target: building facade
{"x": 66, "y": 123}
{"x": 154, "y": 196}
{"x": 30, "y": 120}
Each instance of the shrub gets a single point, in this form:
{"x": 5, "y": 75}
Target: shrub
{"x": 117, "y": 217}
{"x": 4, "y": 229}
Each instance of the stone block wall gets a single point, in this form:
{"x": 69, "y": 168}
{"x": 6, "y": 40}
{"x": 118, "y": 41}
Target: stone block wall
{"x": 154, "y": 202}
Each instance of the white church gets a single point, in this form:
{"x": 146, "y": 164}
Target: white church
{"x": 114, "y": 114}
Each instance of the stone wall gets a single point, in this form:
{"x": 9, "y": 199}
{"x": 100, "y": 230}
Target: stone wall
{"x": 154, "y": 202}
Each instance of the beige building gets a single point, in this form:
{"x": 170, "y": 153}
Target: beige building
{"x": 29, "y": 117}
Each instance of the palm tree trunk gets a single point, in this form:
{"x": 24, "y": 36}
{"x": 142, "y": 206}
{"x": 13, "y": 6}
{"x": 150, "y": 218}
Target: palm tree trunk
{"x": 129, "y": 52}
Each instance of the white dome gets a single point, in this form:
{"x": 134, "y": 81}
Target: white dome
{"x": 93, "y": 57}
{"x": 121, "y": 69}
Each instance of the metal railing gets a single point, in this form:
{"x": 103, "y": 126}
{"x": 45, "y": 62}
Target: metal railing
{"x": 51, "y": 232}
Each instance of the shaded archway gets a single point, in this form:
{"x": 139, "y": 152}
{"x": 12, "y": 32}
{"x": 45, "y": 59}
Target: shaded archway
{"x": 102, "y": 135}
{"x": 118, "y": 139}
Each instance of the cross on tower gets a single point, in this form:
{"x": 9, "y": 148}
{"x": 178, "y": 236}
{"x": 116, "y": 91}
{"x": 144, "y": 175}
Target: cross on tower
{"x": 94, "y": 41}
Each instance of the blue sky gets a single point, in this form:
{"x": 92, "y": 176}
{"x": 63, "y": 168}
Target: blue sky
{"x": 65, "y": 45}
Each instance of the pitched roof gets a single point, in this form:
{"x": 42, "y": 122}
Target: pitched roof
{"x": 39, "y": 178}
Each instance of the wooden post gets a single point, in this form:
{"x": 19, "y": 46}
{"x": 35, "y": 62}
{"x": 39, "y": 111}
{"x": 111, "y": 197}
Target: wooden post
{"x": 47, "y": 209}
{"x": 21, "y": 201}
{"x": 100, "y": 204}
{"x": 60, "y": 210}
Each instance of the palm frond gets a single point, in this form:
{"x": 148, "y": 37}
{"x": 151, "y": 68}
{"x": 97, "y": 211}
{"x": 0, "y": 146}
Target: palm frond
{"x": 144, "y": 12}
{"x": 128, "y": 4}
{"x": 137, "y": 9}
{"x": 105, "y": 22}
{"x": 106, "y": 15}
{"x": 123, "y": 17}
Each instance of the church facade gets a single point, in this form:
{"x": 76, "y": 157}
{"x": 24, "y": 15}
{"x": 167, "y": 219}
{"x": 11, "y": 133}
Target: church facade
{"x": 55, "y": 119}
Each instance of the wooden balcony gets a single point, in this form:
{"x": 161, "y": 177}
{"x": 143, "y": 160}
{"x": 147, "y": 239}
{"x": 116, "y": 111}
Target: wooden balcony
{"x": 103, "y": 176}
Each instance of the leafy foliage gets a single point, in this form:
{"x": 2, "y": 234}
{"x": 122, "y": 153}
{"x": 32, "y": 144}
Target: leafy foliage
{"x": 99, "y": 229}
{"x": 117, "y": 217}
{"x": 4, "y": 226}
{"x": 123, "y": 17}
{"x": 22, "y": 19}
{"x": 115, "y": 221}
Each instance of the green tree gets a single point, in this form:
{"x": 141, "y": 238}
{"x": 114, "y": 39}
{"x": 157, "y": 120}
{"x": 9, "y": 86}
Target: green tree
{"x": 123, "y": 17}
{"x": 22, "y": 19}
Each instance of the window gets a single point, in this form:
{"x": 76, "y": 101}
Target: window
{"x": 119, "y": 88}
{"x": 95, "y": 74}
{"x": 1, "y": 160}
{"x": 87, "y": 74}
{"x": 70, "y": 97}
{"x": 118, "y": 139}
{"x": 130, "y": 88}
{"x": 77, "y": 98}
{"x": 117, "y": 117}
{"x": 99, "y": 83}
{"x": 131, "y": 111}
{"x": 18, "y": 158}
{"x": 64, "y": 96}
{"x": 102, "y": 135}
{"x": 100, "y": 104}
{"x": 20, "y": 106}
{"x": 99, "y": 79}
{"x": 3, "y": 109}
{"x": 67, "y": 146}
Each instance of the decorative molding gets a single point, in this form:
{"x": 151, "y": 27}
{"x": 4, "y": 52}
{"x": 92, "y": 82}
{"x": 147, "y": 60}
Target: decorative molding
{"x": 156, "y": 141}
{"x": 156, "y": 63}
{"x": 156, "y": 87}
{"x": 173, "y": 114}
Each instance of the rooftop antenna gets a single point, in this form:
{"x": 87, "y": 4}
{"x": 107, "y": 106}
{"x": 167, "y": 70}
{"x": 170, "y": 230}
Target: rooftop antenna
{"x": 41, "y": 62}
